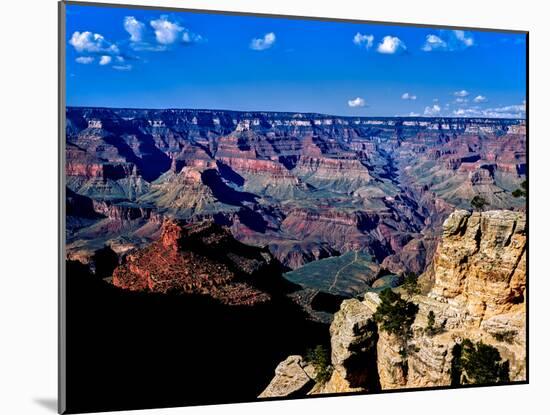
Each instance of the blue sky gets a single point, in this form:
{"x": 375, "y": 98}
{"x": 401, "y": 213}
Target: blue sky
{"x": 120, "y": 57}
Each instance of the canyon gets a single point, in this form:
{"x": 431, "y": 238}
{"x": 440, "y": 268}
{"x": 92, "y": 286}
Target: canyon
{"x": 309, "y": 217}
{"x": 309, "y": 186}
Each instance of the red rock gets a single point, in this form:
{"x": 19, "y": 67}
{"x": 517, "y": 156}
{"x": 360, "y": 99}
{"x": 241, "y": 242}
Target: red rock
{"x": 194, "y": 259}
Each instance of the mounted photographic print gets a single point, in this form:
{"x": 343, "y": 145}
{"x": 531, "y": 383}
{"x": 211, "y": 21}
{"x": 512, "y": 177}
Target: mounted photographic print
{"x": 259, "y": 207}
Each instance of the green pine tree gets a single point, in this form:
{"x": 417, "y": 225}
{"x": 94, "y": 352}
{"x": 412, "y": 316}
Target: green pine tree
{"x": 410, "y": 284}
{"x": 522, "y": 192}
{"x": 478, "y": 363}
{"x": 431, "y": 322}
{"x": 319, "y": 357}
{"x": 394, "y": 314}
{"x": 478, "y": 203}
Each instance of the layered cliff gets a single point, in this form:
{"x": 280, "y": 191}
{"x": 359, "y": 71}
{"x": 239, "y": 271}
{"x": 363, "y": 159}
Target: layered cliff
{"x": 476, "y": 291}
{"x": 374, "y": 184}
{"x": 480, "y": 264}
{"x": 479, "y": 293}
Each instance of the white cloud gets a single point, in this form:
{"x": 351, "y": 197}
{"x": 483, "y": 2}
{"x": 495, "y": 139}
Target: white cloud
{"x": 448, "y": 40}
{"x": 366, "y": 40}
{"x": 461, "y": 100}
{"x": 463, "y": 93}
{"x": 391, "y": 45}
{"x": 166, "y": 32}
{"x": 356, "y": 102}
{"x": 480, "y": 99}
{"x": 414, "y": 114}
{"x": 85, "y": 60}
{"x": 156, "y": 36}
{"x": 160, "y": 36}
{"x": 406, "y": 95}
{"x": 135, "y": 28}
{"x": 466, "y": 39}
{"x": 433, "y": 42}
{"x": 189, "y": 37}
{"x": 264, "y": 42}
{"x": 432, "y": 111}
{"x": 92, "y": 43}
{"x": 105, "y": 60}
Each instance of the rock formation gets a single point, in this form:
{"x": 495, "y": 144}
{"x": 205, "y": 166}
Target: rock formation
{"x": 478, "y": 292}
{"x": 292, "y": 377}
{"x": 221, "y": 204}
{"x": 478, "y": 279}
{"x": 301, "y": 188}
{"x": 353, "y": 336}
{"x": 480, "y": 264}
{"x": 200, "y": 258}
{"x": 311, "y": 184}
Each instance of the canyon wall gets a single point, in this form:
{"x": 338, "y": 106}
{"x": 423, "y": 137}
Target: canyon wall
{"x": 302, "y": 183}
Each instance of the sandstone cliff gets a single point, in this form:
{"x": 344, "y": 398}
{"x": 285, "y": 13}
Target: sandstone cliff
{"x": 480, "y": 264}
{"x": 478, "y": 292}
{"x": 479, "y": 281}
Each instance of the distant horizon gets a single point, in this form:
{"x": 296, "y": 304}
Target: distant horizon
{"x": 290, "y": 112}
{"x": 128, "y": 57}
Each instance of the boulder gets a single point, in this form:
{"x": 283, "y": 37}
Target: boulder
{"x": 292, "y": 377}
